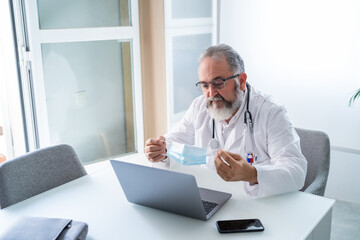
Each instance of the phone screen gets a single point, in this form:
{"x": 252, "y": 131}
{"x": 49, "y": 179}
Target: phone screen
{"x": 244, "y": 225}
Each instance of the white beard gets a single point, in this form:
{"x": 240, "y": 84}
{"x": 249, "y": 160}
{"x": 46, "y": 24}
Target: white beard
{"x": 227, "y": 109}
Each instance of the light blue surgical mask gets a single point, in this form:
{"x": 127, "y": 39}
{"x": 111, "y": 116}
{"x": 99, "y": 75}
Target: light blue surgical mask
{"x": 186, "y": 154}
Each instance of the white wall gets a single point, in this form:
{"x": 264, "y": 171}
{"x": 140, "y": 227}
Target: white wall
{"x": 304, "y": 53}
{"x": 343, "y": 177}
{"x": 307, "y": 55}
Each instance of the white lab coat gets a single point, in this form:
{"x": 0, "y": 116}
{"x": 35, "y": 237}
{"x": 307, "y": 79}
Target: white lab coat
{"x": 281, "y": 167}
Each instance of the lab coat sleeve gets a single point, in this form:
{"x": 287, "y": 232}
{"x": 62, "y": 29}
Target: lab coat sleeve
{"x": 287, "y": 169}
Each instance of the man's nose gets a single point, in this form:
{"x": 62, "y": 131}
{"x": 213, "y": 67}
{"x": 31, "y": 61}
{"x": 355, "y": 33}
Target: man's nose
{"x": 212, "y": 91}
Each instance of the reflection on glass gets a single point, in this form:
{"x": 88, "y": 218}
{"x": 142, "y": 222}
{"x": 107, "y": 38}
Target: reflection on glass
{"x": 88, "y": 87}
{"x": 55, "y": 14}
{"x": 191, "y": 9}
{"x": 186, "y": 52}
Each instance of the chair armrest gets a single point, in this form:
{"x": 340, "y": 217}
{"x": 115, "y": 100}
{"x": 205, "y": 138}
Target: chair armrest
{"x": 317, "y": 186}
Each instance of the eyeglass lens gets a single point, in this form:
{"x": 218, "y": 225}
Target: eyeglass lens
{"x": 216, "y": 84}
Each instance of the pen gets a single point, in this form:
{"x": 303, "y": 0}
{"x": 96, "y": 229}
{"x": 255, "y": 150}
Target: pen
{"x": 250, "y": 158}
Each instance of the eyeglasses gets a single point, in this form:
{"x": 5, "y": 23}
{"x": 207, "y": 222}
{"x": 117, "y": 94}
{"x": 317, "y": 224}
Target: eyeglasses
{"x": 216, "y": 83}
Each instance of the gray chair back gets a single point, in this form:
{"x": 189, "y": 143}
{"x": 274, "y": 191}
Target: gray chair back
{"x": 315, "y": 146}
{"x": 37, "y": 172}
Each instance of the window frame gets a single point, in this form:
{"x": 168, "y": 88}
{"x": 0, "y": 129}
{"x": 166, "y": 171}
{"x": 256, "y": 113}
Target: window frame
{"x": 38, "y": 36}
{"x": 183, "y": 27}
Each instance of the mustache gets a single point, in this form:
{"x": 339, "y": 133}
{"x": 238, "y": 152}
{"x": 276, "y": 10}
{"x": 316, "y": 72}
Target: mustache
{"x": 217, "y": 97}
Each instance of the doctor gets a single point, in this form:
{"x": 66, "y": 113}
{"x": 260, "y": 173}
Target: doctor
{"x": 256, "y": 142}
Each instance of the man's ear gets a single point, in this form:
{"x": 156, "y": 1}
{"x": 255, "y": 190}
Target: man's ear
{"x": 242, "y": 79}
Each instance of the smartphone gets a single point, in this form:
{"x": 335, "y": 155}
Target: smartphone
{"x": 241, "y": 225}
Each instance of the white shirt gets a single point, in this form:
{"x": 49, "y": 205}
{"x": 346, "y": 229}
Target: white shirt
{"x": 281, "y": 167}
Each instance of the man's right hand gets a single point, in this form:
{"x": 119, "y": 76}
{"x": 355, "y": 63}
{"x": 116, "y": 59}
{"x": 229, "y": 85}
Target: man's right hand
{"x": 155, "y": 149}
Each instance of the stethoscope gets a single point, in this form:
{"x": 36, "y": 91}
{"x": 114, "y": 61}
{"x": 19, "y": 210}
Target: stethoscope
{"x": 214, "y": 143}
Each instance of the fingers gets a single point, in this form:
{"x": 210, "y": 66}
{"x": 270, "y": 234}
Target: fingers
{"x": 224, "y": 171}
{"x": 235, "y": 156}
{"x": 229, "y": 157}
{"x": 157, "y": 158}
{"x": 155, "y": 149}
{"x": 228, "y": 165}
{"x": 225, "y": 157}
{"x": 154, "y": 141}
{"x": 222, "y": 168}
{"x": 153, "y": 154}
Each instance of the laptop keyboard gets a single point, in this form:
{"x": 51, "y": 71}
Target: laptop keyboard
{"x": 209, "y": 206}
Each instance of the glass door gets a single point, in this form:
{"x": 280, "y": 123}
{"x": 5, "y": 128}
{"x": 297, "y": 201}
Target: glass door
{"x": 85, "y": 57}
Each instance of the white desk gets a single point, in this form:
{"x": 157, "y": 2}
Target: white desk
{"x": 99, "y": 200}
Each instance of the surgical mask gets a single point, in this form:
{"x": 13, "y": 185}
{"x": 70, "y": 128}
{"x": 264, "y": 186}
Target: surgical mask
{"x": 186, "y": 154}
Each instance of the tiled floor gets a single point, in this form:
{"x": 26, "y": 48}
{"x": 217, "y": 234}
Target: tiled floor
{"x": 345, "y": 221}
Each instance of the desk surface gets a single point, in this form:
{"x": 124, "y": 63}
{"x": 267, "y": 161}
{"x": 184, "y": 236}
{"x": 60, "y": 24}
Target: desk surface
{"x": 99, "y": 200}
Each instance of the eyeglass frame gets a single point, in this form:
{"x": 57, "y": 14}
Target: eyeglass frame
{"x": 212, "y": 82}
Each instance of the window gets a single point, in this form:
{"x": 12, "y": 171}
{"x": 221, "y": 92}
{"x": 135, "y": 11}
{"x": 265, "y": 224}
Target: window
{"x": 81, "y": 75}
{"x": 190, "y": 28}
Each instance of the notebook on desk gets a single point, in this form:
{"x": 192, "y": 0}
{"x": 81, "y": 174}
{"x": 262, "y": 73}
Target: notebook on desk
{"x": 167, "y": 190}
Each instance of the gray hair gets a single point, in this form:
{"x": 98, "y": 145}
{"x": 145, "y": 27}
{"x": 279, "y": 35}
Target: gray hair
{"x": 233, "y": 59}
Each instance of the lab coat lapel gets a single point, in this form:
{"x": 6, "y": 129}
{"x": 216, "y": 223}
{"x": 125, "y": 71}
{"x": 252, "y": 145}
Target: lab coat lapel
{"x": 236, "y": 141}
{"x": 236, "y": 138}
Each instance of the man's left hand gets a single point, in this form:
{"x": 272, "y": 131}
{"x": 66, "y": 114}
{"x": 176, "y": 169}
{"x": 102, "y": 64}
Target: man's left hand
{"x": 237, "y": 169}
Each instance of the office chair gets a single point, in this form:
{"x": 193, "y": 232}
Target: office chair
{"x": 37, "y": 172}
{"x": 315, "y": 146}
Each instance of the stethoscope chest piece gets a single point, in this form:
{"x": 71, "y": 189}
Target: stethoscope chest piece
{"x": 214, "y": 144}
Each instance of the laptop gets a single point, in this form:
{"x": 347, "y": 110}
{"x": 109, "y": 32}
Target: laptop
{"x": 167, "y": 190}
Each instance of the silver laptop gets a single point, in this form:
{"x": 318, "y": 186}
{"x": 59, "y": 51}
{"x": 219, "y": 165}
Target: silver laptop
{"x": 168, "y": 191}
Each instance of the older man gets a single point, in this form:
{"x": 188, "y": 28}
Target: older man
{"x": 256, "y": 142}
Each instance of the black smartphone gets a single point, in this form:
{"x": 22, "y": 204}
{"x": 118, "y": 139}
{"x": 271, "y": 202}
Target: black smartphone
{"x": 241, "y": 225}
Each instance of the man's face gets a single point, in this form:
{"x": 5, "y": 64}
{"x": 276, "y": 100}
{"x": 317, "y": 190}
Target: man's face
{"x": 221, "y": 103}
{"x": 210, "y": 69}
